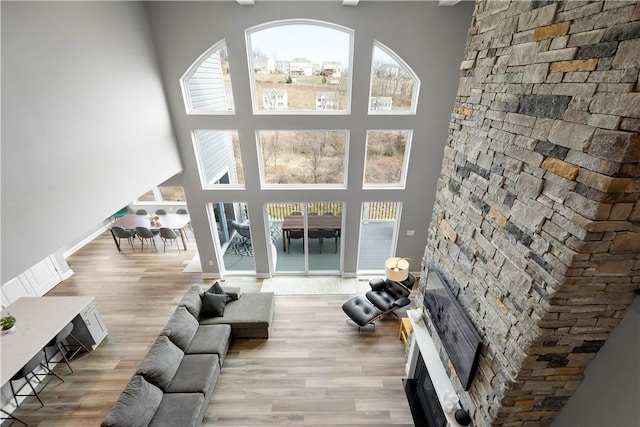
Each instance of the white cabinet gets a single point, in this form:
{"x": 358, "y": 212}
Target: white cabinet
{"x": 88, "y": 327}
{"x": 35, "y": 282}
{"x": 94, "y": 324}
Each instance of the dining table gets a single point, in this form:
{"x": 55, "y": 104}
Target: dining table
{"x": 173, "y": 221}
{"x": 314, "y": 222}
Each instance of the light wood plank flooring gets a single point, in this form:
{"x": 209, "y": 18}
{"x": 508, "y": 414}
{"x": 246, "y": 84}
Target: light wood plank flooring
{"x": 315, "y": 370}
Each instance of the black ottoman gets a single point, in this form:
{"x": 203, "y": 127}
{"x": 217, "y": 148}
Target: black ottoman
{"x": 361, "y": 311}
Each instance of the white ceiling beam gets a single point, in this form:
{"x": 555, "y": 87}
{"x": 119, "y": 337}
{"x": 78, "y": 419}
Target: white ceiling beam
{"x": 246, "y": 2}
{"x": 350, "y": 2}
{"x": 448, "y": 2}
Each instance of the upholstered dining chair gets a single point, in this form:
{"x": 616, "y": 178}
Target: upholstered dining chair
{"x": 121, "y": 233}
{"x": 185, "y": 212}
{"x": 146, "y": 234}
{"x": 141, "y": 212}
{"x": 244, "y": 230}
{"x": 294, "y": 234}
{"x": 168, "y": 234}
{"x": 28, "y": 370}
{"x": 161, "y": 212}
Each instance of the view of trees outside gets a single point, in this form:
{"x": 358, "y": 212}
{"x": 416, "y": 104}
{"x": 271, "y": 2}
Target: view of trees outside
{"x": 303, "y": 157}
{"x": 166, "y": 193}
{"x": 172, "y": 193}
{"x": 385, "y": 156}
{"x": 390, "y": 79}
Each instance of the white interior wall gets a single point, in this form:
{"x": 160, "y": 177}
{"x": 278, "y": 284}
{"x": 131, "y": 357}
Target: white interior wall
{"x": 84, "y": 122}
{"x": 428, "y": 37}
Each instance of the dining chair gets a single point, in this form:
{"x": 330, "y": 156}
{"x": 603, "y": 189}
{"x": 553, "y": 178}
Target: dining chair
{"x": 121, "y": 233}
{"x": 28, "y": 369}
{"x": 185, "y": 212}
{"x": 294, "y": 234}
{"x": 146, "y": 234}
{"x": 141, "y": 212}
{"x": 168, "y": 234}
{"x": 161, "y": 212}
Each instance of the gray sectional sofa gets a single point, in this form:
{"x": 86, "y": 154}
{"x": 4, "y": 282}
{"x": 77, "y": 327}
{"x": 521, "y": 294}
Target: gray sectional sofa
{"x": 174, "y": 383}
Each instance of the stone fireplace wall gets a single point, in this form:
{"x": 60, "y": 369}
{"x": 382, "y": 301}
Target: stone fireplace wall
{"x": 536, "y": 224}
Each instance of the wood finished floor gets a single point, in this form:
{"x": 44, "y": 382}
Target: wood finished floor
{"x": 314, "y": 370}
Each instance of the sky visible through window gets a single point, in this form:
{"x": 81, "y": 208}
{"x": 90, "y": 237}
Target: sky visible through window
{"x": 313, "y": 42}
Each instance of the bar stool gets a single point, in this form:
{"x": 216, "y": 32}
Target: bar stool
{"x": 28, "y": 368}
{"x": 57, "y": 344}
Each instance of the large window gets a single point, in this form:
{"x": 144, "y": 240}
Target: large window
{"x": 300, "y": 66}
{"x": 206, "y": 86}
{"x": 164, "y": 194}
{"x": 310, "y": 157}
{"x": 387, "y": 158}
{"x": 301, "y": 119}
{"x": 394, "y": 86}
{"x": 219, "y": 160}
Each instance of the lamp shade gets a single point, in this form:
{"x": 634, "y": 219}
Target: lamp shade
{"x": 396, "y": 269}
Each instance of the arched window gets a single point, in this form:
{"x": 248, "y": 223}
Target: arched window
{"x": 300, "y": 66}
{"x": 394, "y": 86}
{"x": 206, "y": 86}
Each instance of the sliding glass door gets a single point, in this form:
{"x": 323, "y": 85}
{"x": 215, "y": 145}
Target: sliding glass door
{"x": 233, "y": 231}
{"x": 378, "y": 231}
{"x": 306, "y": 237}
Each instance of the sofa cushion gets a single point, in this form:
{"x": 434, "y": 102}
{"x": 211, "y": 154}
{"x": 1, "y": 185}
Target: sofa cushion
{"x": 211, "y": 339}
{"x": 161, "y": 362}
{"x": 192, "y": 301}
{"x": 213, "y": 305}
{"x": 197, "y": 374}
{"x": 136, "y": 405}
{"x": 181, "y": 328}
{"x": 233, "y": 292}
{"x": 179, "y": 409}
{"x": 249, "y": 317}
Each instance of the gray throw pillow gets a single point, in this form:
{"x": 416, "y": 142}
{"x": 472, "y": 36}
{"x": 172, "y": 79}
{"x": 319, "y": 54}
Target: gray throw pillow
{"x": 181, "y": 328}
{"x": 136, "y": 405}
{"x": 215, "y": 289}
{"x": 213, "y": 305}
{"x": 192, "y": 301}
{"x": 161, "y": 362}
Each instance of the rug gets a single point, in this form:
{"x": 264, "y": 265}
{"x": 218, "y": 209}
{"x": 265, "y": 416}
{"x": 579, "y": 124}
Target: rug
{"x": 239, "y": 246}
{"x": 297, "y": 285}
{"x": 194, "y": 265}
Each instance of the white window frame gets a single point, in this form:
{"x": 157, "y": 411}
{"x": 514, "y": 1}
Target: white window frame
{"x": 405, "y": 163}
{"x": 416, "y": 84}
{"x": 211, "y": 185}
{"x": 345, "y": 164}
{"x": 189, "y": 73}
{"x": 283, "y": 22}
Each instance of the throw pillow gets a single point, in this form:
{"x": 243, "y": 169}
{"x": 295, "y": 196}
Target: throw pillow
{"x": 213, "y": 305}
{"x": 136, "y": 405}
{"x": 215, "y": 289}
{"x": 233, "y": 293}
{"x": 161, "y": 362}
{"x": 181, "y": 328}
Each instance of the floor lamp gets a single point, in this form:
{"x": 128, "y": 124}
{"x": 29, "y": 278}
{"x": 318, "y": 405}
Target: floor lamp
{"x": 396, "y": 269}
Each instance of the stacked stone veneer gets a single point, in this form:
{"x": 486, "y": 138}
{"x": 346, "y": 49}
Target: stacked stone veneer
{"x": 536, "y": 224}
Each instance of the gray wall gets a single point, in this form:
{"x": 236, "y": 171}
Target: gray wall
{"x": 428, "y": 37}
{"x": 84, "y": 119}
{"x": 610, "y": 392}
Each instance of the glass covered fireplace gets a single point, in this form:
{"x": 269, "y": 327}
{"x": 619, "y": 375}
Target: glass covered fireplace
{"x": 423, "y": 399}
